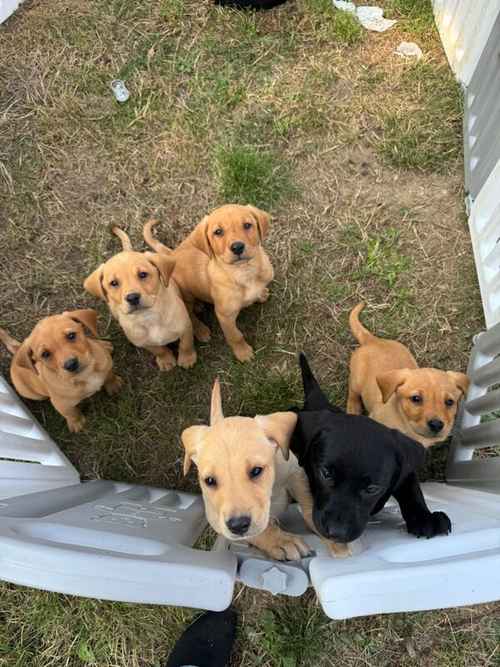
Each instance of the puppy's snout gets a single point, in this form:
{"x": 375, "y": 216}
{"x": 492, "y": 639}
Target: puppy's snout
{"x": 239, "y": 525}
{"x": 237, "y": 248}
{"x": 435, "y": 425}
{"x": 133, "y": 298}
{"x": 72, "y": 365}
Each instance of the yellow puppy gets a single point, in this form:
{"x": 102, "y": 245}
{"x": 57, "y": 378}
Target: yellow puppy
{"x": 146, "y": 301}
{"x": 385, "y": 379}
{"x": 247, "y": 474}
{"x": 59, "y": 361}
{"x": 222, "y": 262}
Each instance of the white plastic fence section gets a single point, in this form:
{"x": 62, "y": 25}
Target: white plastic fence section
{"x": 29, "y": 459}
{"x": 116, "y": 542}
{"x": 473, "y": 432}
{"x": 484, "y": 226}
{"x": 8, "y": 7}
{"x": 464, "y": 27}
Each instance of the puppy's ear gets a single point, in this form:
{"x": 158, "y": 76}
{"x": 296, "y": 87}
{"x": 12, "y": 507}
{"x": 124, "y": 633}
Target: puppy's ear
{"x": 192, "y": 439}
{"x": 94, "y": 284}
{"x": 163, "y": 263}
{"x": 262, "y": 218}
{"x": 216, "y": 414}
{"x": 24, "y": 356}
{"x": 409, "y": 453}
{"x": 279, "y": 428}
{"x": 314, "y": 398}
{"x": 199, "y": 237}
{"x": 87, "y": 317}
{"x": 388, "y": 382}
{"x": 461, "y": 380}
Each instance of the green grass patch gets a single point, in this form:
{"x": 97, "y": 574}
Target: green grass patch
{"x": 383, "y": 259}
{"x": 425, "y": 132}
{"x": 413, "y": 15}
{"x": 293, "y": 634}
{"x": 247, "y": 174}
{"x": 333, "y": 24}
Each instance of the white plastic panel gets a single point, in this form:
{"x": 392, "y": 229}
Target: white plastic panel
{"x": 115, "y": 542}
{"x": 484, "y": 226}
{"x": 464, "y": 27}
{"x": 29, "y": 459}
{"x": 396, "y": 572}
{"x": 478, "y": 424}
{"x": 8, "y": 7}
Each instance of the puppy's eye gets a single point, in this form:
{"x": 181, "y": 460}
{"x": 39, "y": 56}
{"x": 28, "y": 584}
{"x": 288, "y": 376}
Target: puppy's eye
{"x": 372, "y": 489}
{"x": 219, "y": 232}
{"x": 143, "y": 274}
{"x": 45, "y": 354}
{"x": 416, "y": 398}
{"x": 71, "y": 335}
{"x": 449, "y": 402}
{"x": 326, "y": 473}
{"x": 210, "y": 481}
{"x": 255, "y": 472}
{"x": 247, "y": 225}
{"x": 114, "y": 283}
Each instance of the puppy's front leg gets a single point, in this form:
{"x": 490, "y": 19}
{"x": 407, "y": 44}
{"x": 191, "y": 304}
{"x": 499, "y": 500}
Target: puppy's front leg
{"x": 298, "y": 486}
{"x": 164, "y": 357}
{"x": 187, "y": 353}
{"x": 235, "y": 339}
{"x": 420, "y": 521}
{"x": 280, "y": 545}
{"x": 72, "y": 414}
{"x": 113, "y": 383}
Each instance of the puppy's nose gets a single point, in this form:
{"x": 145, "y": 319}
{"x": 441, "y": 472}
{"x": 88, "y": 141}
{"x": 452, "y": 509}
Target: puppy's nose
{"x": 237, "y": 247}
{"x": 133, "y": 298}
{"x": 71, "y": 365}
{"x": 435, "y": 425}
{"x": 239, "y": 525}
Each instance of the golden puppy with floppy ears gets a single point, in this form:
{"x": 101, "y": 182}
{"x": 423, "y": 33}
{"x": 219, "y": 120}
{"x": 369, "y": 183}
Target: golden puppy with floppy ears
{"x": 247, "y": 475}
{"x": 222, "y": 262}
{"x": 385, "y": 379}
{"x": 59, "y": 361}
{"x": 146, "y": 301}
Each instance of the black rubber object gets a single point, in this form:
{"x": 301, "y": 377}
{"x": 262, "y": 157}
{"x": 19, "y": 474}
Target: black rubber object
{"x": 207, "y": 642}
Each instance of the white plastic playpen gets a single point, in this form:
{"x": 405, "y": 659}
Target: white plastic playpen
{"x": 132, "y": 543}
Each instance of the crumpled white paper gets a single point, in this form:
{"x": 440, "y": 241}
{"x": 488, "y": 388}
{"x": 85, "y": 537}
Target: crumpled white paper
{"x": 345, "y": 6}
{"x": 370, "y": 17}
{"x": 409, "y": 50}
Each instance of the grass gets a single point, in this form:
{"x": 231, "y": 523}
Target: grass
{"x": 425, "y": 133}
{"x": 246, "y": 174}
{"x": 355, "y": 152}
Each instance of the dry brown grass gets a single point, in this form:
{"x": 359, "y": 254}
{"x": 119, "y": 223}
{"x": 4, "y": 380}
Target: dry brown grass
{"x": 348, "y": 225}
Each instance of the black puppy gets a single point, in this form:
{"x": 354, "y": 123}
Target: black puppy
{"x": 354, "y": 464}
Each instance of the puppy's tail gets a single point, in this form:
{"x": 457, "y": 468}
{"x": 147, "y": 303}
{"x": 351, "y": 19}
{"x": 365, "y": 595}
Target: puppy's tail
{"x": 314, "y": 398}
{"x": 151, "y": 240}
{"x": 10, "y": 343}
{"x": 124, "y": 238}
{"x": 360, "y": 332}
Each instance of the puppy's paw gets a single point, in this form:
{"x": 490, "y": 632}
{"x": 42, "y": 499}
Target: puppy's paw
{"x": 76, "y": 424}
{"x": 187, "y": 360}
{"x": 166, "y": 362}
{"x": 285, "y": 546}
{"x": 432, "y": 524}
{"x": 243, "y": 352}
{"x": 114, "y": 385}
{"x": 263, "y": 296}
{"x": 338, "y": 550}
{"x": 201, "y": 332}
